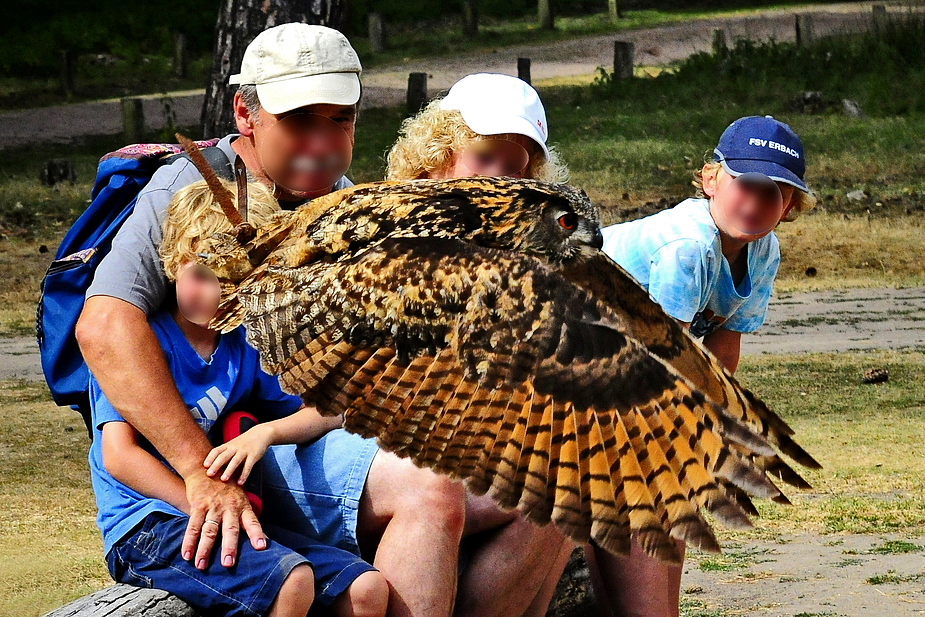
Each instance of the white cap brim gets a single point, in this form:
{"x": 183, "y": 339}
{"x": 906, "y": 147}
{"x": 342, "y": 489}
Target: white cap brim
{"x": 284, "y": 95}
{"x": 498, "y": 125}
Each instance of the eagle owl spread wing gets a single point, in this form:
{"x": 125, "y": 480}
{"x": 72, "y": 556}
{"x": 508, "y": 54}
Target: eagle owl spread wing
{"x": 459, "y": 324}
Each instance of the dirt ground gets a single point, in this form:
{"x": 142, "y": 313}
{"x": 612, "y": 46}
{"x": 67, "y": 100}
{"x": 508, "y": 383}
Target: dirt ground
{"x": 386, "y": 86}
{"x": 810, "y": 575}
{"x": 841, "y": 320}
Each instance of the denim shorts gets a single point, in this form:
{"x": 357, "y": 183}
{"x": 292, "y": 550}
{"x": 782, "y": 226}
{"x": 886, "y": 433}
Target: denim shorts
{"x": 149, "y": 556}
{"x": 315, "y": 488}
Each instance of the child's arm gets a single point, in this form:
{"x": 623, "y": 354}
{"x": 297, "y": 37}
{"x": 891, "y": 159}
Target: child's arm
{"x": 725, "y": 345}
{"x": 247, "y": 448}
{"x": 137, "y": 468}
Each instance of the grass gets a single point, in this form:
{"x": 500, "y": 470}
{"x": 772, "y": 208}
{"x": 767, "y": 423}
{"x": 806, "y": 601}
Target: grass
{"x": 50, "y": 550}
{"x": 867, "y": 437}
{"x": 891, "y": 578}
{"x": 734, "y": 558}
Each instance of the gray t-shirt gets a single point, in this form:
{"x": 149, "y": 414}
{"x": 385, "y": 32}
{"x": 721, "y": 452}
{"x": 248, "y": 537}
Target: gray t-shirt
{"x": 132, "y": 271}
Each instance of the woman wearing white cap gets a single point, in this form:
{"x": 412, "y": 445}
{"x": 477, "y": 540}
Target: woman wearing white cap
{"x": 490, "y": 125}
{"x": 486, "y": 125}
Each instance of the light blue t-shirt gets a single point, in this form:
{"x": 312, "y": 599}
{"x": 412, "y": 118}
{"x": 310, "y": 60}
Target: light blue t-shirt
{"x": 677, "y": 256}
{"x": 231, "y": 380}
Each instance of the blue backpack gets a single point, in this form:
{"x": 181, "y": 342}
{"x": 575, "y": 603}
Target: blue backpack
{"x": 119, "y": 178}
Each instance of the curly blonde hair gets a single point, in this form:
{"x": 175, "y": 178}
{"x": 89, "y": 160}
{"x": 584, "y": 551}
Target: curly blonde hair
{"x": 194, "y": 213}
{"x": 804, "y": 201}
{"x": 428, "y": 142}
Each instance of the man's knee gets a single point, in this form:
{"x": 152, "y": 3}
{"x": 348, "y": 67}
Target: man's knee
{"x": 398, "y": 488}
{"x": 435, "y": 497}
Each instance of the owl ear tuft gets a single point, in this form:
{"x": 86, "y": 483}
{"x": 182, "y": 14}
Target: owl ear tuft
{"x": 222, "y": 195}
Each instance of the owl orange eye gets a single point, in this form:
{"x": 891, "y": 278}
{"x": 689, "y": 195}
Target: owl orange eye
{"x": 568, "y": 221}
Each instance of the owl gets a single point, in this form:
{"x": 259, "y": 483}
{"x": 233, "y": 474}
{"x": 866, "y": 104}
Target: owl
{"x": 475, "y": 327}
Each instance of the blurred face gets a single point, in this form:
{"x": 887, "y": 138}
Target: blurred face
{"x": 747, "y": 207}
{"x": 198, "y": 293}
{"x": 305, "y": 151}
{"x": 493, "y": 155}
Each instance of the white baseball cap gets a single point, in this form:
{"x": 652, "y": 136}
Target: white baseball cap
{"x": 294, "y": 65}
{"x": 492, "y": 104}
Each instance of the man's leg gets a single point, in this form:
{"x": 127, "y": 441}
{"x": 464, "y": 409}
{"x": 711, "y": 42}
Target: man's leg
{"x": 412, "y": 520}
{"x": 636, "y": 585}
{"x": 514, "y": 568}
{"x": 540, "y": 605}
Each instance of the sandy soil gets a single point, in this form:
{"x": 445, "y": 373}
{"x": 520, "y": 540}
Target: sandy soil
{"x": 811, "y": 575}
{"x": 843, "y": 320}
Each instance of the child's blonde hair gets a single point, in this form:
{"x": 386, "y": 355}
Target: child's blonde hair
{"x": 428, "y": 141}
{"x": 804, "y": 202}
{"x": 195, "y": 214}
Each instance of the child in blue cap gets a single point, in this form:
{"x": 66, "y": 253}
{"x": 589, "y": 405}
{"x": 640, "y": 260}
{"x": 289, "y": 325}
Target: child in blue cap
{"x": 710, "y": 263}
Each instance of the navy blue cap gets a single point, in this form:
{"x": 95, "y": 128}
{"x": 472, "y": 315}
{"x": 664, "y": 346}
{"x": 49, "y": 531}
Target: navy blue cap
{"x": 763, "y": 145}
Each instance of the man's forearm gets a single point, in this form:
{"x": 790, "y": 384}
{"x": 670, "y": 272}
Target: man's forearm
{"x": 126, "y": 359}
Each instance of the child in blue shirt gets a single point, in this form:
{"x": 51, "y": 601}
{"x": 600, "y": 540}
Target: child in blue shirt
{"x": 143, "y": 512}
{"x": 710, "y": 263}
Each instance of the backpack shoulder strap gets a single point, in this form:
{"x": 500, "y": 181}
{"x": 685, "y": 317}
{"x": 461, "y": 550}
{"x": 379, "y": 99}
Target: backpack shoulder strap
{"x": 215, "y": 157}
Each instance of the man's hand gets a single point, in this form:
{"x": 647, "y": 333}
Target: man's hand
{"x": 216, "y": 506}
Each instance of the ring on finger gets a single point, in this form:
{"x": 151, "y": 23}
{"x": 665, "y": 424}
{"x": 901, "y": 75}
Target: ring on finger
{"x": 210, "y": 521}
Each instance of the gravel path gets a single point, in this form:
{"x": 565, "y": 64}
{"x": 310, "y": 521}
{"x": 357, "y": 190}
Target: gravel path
{"x": 843, "y": 320}
{"x": 385, "y": 86}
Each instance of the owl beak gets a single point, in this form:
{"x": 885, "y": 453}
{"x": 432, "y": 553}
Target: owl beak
{"x": 597, "y": 241}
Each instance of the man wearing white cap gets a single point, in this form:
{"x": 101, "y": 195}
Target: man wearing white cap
{"x": 295, "y": 110}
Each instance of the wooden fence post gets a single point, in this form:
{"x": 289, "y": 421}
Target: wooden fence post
{"x": 804, "y": 29}
{"x": 417, "y": 92}
{"x": 719, "y": 41}
{"x": 67, "y": 72}
{"x": 623, "y": 54}
{"x": 133, "y": 119}
{"x": 879, "y": 17}
{"x": 470, "y": 17}
{"x": 180, "y": 59}
{"x": 523, "y": 69}
{"x": 545, "y": 15}
{"x": 377, "y": 36}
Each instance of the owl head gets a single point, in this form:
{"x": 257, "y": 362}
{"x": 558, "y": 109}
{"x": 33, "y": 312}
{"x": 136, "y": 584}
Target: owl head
{"x": 555, "y": 222}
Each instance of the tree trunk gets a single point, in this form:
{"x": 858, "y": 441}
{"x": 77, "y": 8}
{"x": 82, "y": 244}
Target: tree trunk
{"x": 470, "y": 17}
{"x": 545, "y": 14}
{"x": 239, "y": 21}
